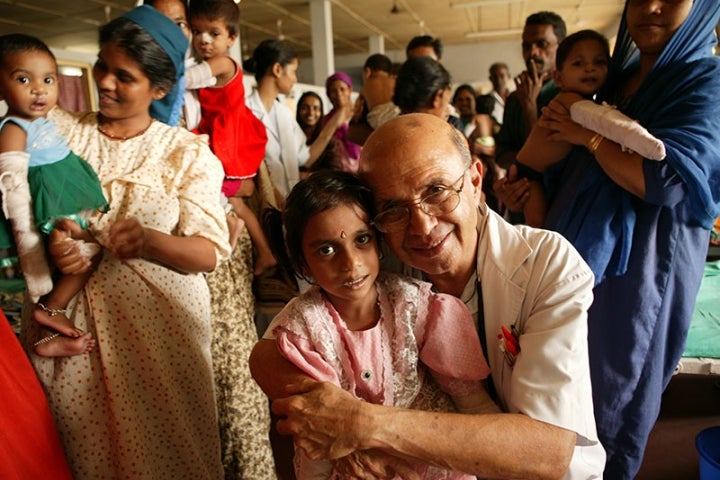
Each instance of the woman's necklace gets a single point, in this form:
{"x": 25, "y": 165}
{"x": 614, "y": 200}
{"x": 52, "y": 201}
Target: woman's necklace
{"x": 122, "y": 138}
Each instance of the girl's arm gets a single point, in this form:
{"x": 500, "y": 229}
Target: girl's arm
{"x": 12, "y": 138}
{"x": 624, "y": 168}
{"x": 326, "y": 134}
{"x": 221, "y": 69}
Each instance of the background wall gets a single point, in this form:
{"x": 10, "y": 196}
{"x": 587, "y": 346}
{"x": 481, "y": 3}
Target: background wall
{"x": 466, "y": 63}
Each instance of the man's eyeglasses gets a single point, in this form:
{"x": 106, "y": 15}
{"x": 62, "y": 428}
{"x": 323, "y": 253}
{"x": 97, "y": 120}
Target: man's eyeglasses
{"x": 441, "y": 201}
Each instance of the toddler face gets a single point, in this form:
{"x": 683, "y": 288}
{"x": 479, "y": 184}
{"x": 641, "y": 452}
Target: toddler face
{"x": 210, "y": 38}
{"x": 585, "y": 69}
{"x": 28, "y": 83}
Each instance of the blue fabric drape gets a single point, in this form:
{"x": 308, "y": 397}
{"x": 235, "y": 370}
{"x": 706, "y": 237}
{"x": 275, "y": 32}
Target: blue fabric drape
{"x": 172, "y": 39}
{"x": 676, "y": 103}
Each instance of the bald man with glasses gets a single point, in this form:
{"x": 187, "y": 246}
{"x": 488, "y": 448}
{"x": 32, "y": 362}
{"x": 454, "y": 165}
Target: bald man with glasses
{"x": 528, "y": 291}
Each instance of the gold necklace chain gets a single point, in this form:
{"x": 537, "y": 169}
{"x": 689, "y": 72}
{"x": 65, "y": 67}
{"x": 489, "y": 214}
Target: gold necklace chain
{"x": 121, "y": 138}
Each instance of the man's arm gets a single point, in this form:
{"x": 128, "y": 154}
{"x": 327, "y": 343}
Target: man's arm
{"x": 328, "y": 423}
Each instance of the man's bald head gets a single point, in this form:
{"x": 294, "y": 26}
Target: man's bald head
{"x": 395, "y": 140}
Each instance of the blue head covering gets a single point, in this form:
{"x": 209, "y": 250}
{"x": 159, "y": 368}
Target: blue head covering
{"x": 171, "y": 39}
{"x": 677, "y": 103}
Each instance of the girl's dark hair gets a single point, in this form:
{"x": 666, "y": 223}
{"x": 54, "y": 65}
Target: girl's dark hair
{"x": 18, "y": 43}
{"x": 418, "y": 81}
{"x": 225, "y": 10}
{"x": 139, "y": 45}
{"x": 318, "y": 127}
{"x": 571, "y": 40}
{"x": 321, "y": 191}
{"x": 267, "y": 54}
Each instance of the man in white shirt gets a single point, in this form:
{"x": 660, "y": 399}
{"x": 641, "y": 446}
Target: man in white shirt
{"x": 529, "y": 286}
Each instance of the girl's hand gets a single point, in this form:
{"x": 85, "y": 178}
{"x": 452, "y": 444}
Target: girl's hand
{"x": 64, "y": 251}
{"x": 127, "y": 239}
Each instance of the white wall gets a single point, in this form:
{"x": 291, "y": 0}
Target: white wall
{"x": 466, "y": 63}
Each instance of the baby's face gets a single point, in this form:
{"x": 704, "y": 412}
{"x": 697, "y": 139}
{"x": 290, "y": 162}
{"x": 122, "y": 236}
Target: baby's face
{"x": 210, "y": 37}
{"x": 28, "y": 83}
{"x": 585, "y": 69}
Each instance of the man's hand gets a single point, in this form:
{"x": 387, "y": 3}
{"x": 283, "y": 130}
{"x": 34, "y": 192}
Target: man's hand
{"x": 513, "y": 193}
{"x": 374, "y": 464}
{"x": 528, "y": 85}
{"x": 324, "y": 420}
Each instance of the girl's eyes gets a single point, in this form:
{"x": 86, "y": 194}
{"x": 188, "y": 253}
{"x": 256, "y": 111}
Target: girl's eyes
{"x": 363, "y": 239}
{"x": 49, "y": 80}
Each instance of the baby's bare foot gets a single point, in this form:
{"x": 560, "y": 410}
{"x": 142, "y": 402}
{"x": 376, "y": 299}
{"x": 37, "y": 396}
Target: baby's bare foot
{"x": 65, "y": 346}
{"x": 236, "y": 225}
{"x": 55, "y": 319}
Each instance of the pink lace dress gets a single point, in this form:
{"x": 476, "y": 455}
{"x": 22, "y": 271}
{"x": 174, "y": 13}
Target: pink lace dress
{"x": 419, "y": 331}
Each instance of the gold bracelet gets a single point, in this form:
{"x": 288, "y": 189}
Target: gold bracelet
{"x": 594, "y": 143}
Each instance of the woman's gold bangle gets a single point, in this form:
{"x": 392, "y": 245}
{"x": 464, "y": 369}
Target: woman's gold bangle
{"x": 594, "y": 143}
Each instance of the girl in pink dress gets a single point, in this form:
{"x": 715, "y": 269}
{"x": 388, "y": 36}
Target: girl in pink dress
{"x": 376, "y": 335}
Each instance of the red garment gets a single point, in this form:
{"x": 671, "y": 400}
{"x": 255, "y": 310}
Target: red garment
{"x": 237, "y": 137}
{"x": 29, "y": 443}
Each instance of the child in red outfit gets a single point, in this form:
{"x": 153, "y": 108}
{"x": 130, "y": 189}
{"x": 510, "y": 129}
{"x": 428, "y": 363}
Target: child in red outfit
{"x": 237, "y": 137}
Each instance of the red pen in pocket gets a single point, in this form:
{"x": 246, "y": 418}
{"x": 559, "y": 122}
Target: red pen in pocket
{"x": 511, "y": 342}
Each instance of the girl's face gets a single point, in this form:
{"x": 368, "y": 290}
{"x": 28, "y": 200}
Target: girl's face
{"x": 287, "y": 77}
{"x": 124, "y": 89}
{"x": 28, "y": 83}
{"x": 339, "y": 93}
{"x": 585, "y": 69}
{"x": 210, "y": 38}
{"x": 440, "y": 104}
{"x": 341, "y": 254}
{"x": 465, "y": 103}
{"x": 310, "y": 111}
{"x": 651, "y": 23}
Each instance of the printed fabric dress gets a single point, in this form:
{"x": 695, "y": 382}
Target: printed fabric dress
{"x": 386, "y": 364}
{"x": 243, "y": 409}
{"x": 61, "y": 183}
{"x": 141, "y": 405}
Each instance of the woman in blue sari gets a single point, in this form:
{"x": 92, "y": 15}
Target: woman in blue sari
{"x": 643, "y": 226}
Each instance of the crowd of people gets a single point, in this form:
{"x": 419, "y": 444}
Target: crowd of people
{"x": 426, "y": 283}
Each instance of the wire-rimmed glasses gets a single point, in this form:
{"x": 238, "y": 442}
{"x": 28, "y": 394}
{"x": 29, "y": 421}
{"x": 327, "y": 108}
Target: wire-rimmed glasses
{"x": 441, "y": 201}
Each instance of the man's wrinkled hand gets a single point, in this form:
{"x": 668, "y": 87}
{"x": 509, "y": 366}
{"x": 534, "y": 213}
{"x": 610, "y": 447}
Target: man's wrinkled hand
{"x": 375, "y": 465}
{"x": 322, "y": 418}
